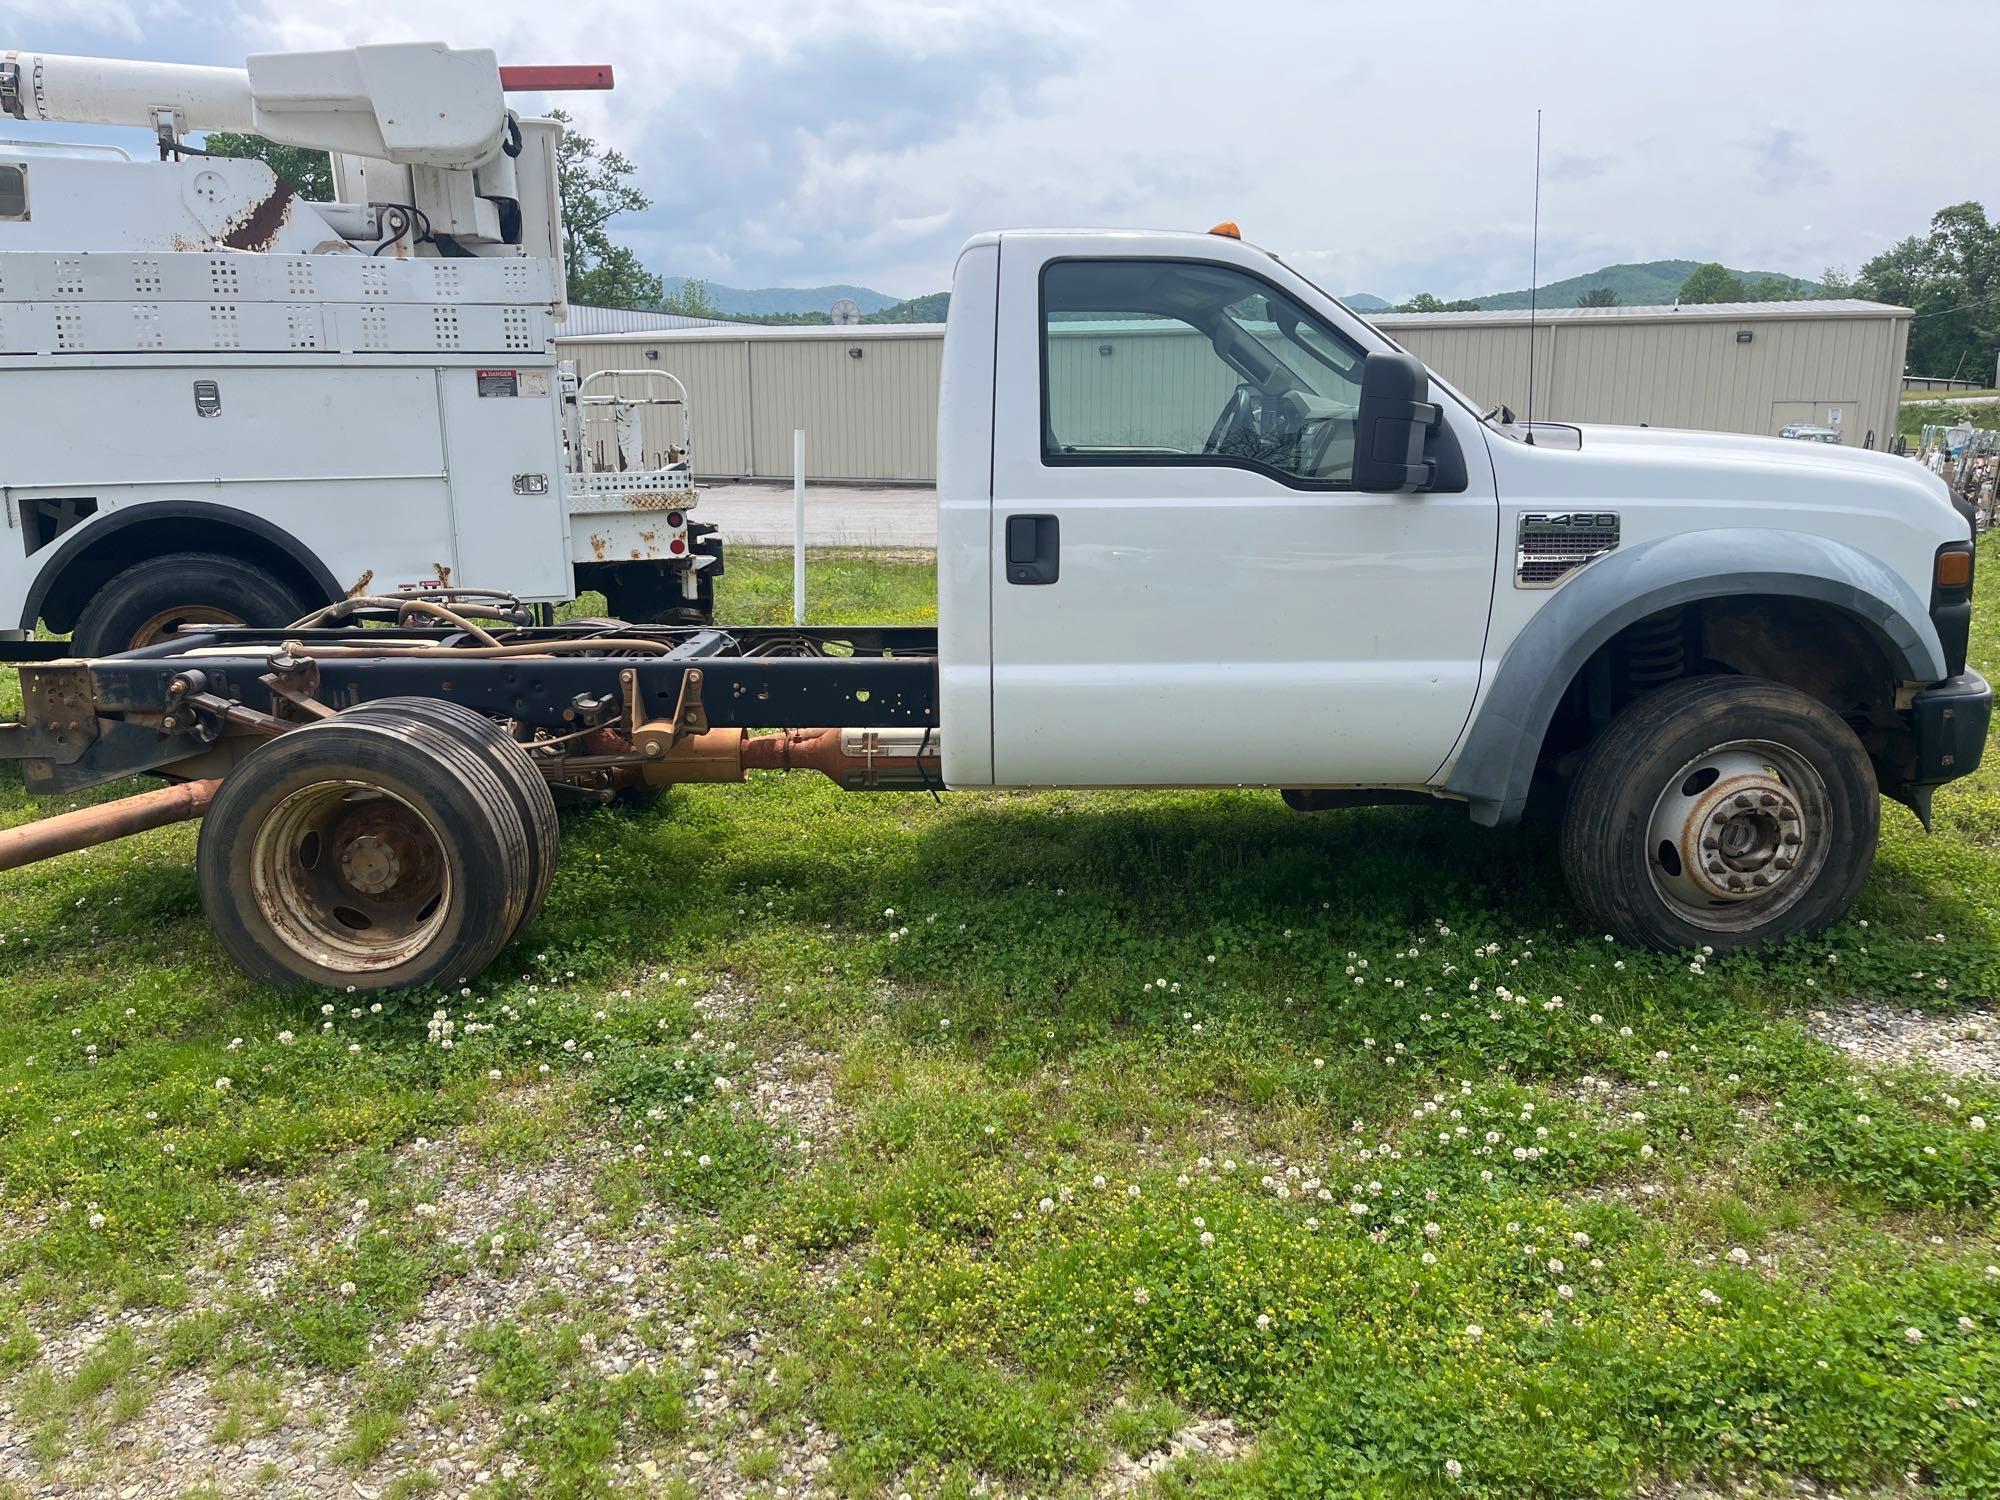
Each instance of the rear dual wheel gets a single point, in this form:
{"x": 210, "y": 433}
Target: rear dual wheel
{"x": 392, "y": 847}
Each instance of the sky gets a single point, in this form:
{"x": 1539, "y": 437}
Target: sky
{"x": 1380, "y": 147}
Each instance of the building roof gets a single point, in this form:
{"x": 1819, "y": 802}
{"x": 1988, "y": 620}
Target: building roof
{"x": 670, "y": 328}
{"x": 847, "y": 334}
{"x": 585, "y": 321}
{"x": 1712, "y": 312}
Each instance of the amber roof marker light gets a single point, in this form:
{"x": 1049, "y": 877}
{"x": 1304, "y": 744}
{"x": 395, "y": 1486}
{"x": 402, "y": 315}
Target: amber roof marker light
{"x": 1228, "y": 230}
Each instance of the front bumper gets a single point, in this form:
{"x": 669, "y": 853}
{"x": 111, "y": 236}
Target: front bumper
{"x": 1950, "y": 721}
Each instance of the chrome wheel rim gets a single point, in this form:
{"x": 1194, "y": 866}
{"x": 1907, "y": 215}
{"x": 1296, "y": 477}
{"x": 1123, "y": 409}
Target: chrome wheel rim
{"x": 351, "y": 877}
{"x": 1738, "y": 835}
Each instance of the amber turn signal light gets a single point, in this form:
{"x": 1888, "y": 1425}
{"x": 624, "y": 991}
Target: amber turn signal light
{"x": 1954, "y": 570}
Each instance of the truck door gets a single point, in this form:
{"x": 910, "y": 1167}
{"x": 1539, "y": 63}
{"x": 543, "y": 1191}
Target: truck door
{"x": 1187, "y": 589}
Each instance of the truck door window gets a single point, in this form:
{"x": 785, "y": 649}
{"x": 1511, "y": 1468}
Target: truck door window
{"x": 1187, "y": 362}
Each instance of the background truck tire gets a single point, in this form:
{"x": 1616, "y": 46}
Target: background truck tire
{"x": 377, "y": 852}
{"x": 146, "y": 601}
{"x": 1726, "y": 812}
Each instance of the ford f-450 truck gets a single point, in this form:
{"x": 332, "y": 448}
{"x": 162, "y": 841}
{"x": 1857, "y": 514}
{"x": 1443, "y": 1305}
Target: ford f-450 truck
{"x": 1198, "y": 525}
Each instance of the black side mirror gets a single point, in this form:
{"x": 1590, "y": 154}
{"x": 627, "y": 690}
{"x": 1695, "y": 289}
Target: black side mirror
{"x": 1395, "y": 418}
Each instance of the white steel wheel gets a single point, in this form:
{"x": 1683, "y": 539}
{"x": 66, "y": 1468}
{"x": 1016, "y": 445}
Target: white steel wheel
{"x": 1740, "y": 833}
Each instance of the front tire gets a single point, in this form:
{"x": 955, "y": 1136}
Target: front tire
{"x": 149, "y": 601}
{"x": 1720, "y": 812}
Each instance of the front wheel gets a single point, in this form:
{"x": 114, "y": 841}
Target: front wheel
{"x": 1720, "y": 812}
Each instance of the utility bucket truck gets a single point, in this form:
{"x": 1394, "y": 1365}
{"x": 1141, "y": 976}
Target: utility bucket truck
{"x": 1711, "y": 655}
{"x": 221, "y": 403}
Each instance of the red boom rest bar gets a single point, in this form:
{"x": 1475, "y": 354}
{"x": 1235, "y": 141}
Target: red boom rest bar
{"x": 565, "y": 78}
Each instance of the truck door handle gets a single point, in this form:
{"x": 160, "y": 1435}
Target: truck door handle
{"x": 1034, "y": 549}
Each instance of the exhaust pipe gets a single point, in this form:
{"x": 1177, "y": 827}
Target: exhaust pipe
{"x": 88, "y": 826}
{"x": 860, "y": 760}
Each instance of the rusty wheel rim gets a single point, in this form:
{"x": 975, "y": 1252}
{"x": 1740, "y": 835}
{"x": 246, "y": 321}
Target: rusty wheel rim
{"x": 167, "y": 621}
{"x": 351, "y": 877}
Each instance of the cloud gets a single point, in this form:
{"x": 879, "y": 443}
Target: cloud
{"x": 1572, "y": 166}
{"x": 1783, "y": 164}
{"x": 808, "y": 141}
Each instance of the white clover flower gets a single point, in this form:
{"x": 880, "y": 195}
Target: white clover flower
{"x": 1580, "y": 1240}
{"x": 1474, "y": 1331}
{"x": 1207, "y": 1238}
{"x": 1965, "y": 1325}
{"x": 96, "y": 1221}
{"x": 223, "y": 1082}
{"x": 1141, "y": 1296}
{"x": 1914, "y": 1335}
{"x": 1709, "y": 1297}
{"x": 347, "y": 1289}
{"x": 1565, "y": 1291}
{"x": 704, "y": 1160}
{"x": 1452, "y": 1467}
{"x": 1263, "y": 1322}
{"x": 1047, "y": 1205}
{"x": 1977, "y": 1122}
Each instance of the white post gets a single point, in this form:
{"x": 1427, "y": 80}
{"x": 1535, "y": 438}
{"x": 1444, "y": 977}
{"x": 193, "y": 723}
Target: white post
{"x": 798, "y": 526}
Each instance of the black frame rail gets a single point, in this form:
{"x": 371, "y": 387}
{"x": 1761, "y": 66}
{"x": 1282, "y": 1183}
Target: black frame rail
{"x": 88, "y": 722}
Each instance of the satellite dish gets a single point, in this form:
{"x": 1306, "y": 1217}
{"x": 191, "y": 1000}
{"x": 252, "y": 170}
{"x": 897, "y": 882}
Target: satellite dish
{"x": 846, "y": 313}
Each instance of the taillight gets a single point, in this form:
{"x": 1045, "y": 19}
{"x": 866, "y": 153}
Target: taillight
{"x": 675, "y": 519}
{"x": 677, "y": 546}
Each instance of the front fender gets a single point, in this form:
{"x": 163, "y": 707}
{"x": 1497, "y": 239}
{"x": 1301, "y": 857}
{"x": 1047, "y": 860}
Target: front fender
{"x": 1496, "y": 760}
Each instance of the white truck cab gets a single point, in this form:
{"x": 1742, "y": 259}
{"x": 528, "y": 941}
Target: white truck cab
{"x": 1191, "y": 500}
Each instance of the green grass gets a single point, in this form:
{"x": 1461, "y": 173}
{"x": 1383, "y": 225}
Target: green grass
{"x": 1143, "y": 1109}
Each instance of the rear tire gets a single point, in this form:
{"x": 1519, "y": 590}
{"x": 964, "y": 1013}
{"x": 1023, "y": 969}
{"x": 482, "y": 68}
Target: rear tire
{"x": 1726, "y": 812}
{"x": 148, "y": 601}
{"x": 530, "y": 790}
{"x": 377, "y": 852}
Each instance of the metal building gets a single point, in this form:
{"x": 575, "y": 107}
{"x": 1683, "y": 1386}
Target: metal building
{"x": 867, "y": 395}
{"x": 1722, "y": 367}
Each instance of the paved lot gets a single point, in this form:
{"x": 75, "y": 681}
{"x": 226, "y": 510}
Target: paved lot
{"x": 760, "y": 515}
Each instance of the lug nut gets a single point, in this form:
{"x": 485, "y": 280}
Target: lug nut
{"x": 1767, "y": 800}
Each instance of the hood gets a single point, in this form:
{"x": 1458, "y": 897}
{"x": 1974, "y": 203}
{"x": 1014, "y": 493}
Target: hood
{"x": 1706, "y": 468}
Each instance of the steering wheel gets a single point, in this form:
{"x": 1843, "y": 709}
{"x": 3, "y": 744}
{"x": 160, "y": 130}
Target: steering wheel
{"x": 1233, "y": 421}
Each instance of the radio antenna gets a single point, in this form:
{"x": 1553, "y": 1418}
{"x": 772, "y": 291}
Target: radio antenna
{"x": 1534, "y": 275}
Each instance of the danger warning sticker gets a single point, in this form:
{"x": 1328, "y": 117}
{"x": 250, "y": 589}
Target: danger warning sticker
{"x": 499, "y": 382}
